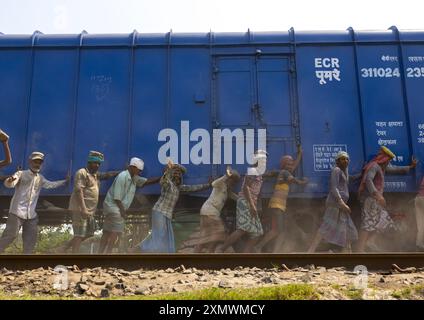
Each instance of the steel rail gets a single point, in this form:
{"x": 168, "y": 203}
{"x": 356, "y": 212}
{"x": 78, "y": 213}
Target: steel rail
{"x": 373, "y": 261}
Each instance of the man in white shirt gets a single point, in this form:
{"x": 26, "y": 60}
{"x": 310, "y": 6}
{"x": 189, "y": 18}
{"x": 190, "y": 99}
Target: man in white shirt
{"x": 27, "y": 184}
{"x": 118, "y": 200}
{"x": 212, "y": 227}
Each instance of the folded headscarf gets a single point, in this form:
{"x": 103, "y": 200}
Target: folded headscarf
{"x": 95, "y": 156}
{"x": 382, "y": 157}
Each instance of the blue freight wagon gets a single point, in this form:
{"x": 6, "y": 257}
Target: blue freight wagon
{"x": 342, "y": 90}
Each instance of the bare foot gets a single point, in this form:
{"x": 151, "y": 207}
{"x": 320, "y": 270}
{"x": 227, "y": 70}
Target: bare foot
{"x": 230, "y": 250}
{"x": 218, "y": 249}
{"x": 60, "y": 249}
{"x": 134, "y": 250}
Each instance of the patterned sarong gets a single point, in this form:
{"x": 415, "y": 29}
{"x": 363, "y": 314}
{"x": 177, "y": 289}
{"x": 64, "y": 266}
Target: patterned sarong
{"x": 246, "y": 221}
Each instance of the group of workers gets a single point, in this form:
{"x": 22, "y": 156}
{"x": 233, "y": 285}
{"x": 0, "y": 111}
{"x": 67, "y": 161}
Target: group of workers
{"x": 337, "y": 226}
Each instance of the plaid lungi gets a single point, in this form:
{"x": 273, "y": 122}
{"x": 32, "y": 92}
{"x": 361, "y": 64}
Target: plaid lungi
{"x": 337, "y": 227}
{"x": 375, "y": 217}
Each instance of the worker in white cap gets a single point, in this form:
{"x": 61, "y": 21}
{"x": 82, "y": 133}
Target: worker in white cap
{"x": 248, "y": 222}
{"x": 4, "y": 139}
{"x": 27, "y": 184}
{"x": 118, "y": 199}
{"x": 212, "y": 226}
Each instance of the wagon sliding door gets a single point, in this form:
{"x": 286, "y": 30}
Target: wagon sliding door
{"x": 253, "y": 92}
{"x": 233, "y": 100}
{"x": 274, "y": 110}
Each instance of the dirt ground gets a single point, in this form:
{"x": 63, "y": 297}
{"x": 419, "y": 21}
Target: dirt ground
{"x": 334, "y": 283}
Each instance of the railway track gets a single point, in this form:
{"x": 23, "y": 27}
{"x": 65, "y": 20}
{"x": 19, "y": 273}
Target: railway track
{"x": 373, "y": 261}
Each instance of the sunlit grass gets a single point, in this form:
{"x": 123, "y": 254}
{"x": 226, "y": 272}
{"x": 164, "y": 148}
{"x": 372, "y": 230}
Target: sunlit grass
{"x": 284, "y": 292}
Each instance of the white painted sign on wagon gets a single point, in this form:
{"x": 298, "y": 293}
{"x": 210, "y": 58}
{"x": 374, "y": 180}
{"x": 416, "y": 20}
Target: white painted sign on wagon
{"x": 324, "y": 155}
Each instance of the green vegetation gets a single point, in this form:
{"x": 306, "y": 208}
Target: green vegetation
{"x": 402, "y": 294}
{"x": 48, "y": 238}
{"x": 284, "y": 292}
{"x": 354, "y": 294}
{"x": 350, "y": 292}
{"x": 409, "y": 293}
{"x": 336, "y": 286}
{"x": 419, "y": 290}
{"x": 281, "y": 292}
{"x": 29, "y": 296}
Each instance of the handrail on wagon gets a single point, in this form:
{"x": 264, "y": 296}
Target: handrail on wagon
{"x": 404, "y": 91}
{"x": 29, "y": 96}
{"x": 75, "y": 102}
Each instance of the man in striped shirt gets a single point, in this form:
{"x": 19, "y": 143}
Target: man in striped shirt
{"x": 161, "y": 238}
